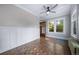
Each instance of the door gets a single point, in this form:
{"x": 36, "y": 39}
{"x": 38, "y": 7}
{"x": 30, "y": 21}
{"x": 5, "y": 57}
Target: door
{"x": 42, "y": 28}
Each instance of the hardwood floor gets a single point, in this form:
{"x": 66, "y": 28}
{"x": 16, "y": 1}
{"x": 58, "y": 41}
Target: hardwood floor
{"x": 44, "y": 46}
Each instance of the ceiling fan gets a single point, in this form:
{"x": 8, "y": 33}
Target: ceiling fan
{"x": 48, "y": 9}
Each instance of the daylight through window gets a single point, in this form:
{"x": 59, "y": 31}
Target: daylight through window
{"x": 56, "y": 25}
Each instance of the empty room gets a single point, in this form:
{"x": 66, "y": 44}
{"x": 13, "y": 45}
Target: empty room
{"x": 39, "y": 29}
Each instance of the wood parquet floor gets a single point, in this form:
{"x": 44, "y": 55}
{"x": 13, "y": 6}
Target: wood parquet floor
{"x": 44, "y": 46}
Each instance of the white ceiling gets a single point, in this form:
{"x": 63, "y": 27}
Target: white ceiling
{"x": 35, "y": 9}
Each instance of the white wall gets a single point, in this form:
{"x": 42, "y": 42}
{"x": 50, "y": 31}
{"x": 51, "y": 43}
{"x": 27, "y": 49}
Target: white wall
{"x": 60, "y": 35}
{"x": 17, "y": 27}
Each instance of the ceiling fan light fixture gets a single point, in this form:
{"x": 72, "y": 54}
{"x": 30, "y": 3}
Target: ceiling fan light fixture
{"x": 48, "y": 9}
{"x": 48, "y": 12}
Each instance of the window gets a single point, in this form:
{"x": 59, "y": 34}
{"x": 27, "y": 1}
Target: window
{"x": 74, "y": 27}
{"x": 59, "y": 25}
{"x": 74, "y": 24}
{"x": 51, "y": 26}
{"x": 56, "y": 25}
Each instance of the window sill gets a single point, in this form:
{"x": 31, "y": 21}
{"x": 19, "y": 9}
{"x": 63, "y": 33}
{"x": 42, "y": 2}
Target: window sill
{"x": 57, "y": 32}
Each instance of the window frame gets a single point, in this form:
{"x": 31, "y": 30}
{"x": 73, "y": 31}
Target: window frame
{"x": 55, "y": 25}
{"x": 48, "y": 25}
{"x": 72, "y": 23}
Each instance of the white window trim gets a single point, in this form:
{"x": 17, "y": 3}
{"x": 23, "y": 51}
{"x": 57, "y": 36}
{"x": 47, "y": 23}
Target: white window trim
{"x": 72, "y": 20}
{"x": 55, "y": 26}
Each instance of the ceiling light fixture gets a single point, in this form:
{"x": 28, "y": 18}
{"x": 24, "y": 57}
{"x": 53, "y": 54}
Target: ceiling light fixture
{"x": 49, "y": 9}
{"x": 48, "y": 12}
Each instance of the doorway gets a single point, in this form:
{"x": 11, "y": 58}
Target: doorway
{"x": 42, "y": 28}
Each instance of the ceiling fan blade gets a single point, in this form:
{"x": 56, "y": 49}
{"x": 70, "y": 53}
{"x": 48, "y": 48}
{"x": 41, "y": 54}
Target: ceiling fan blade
{"x": 54, "y": 6}
{"x": 52, "y": 11}
{"x": 43, "y": 12}
{"x": 44, "y": 7}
